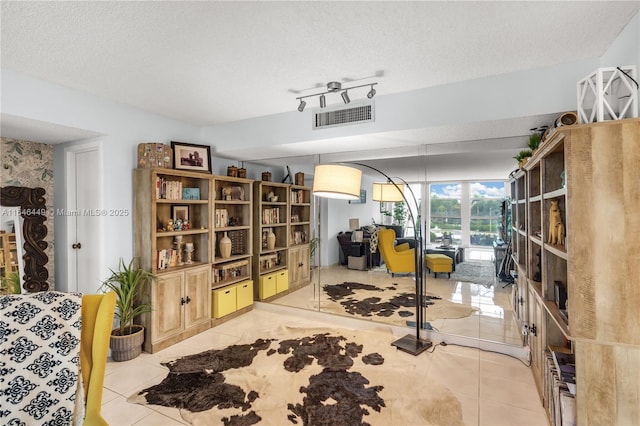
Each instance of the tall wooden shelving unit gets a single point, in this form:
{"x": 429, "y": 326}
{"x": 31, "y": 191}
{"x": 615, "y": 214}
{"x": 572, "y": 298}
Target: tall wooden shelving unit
{"x": 271, "y": 214}
{"x": 299, "y": 236}
{"x": 592, "y": 172}
{"x": 232, "y": 217}
{"x": 181, "y": 294}
{"x": 8, "y": 253}
{"x": 286, "y": 267}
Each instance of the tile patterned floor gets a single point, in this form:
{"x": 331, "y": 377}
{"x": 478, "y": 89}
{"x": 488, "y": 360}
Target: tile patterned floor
{"x": 493, "y": 321}
{"x": 494, "y": 389}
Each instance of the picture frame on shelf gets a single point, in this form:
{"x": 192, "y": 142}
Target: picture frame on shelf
{"x": 180, "y": 213}
{"x": 187, "y": 156}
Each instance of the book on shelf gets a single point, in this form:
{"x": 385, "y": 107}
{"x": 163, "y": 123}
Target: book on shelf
{"x": 221, "y": 218}
{"x": 565, "y": 366}
{"x": 230, "y": 271}
{"x": 190, "y": 193}
{"x": 168, "y": 189}
{"x": 166, "y": 258}
{"x": 270, "y": 216}
{"x": 297, "y": 196}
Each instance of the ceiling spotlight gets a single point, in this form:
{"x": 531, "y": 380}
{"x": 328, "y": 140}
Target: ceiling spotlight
{"x": 371, "y": 93}
{"x": 345, "y": 97}
{"x": 335, "y": 87}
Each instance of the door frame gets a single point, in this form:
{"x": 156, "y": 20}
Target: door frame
{"x": 70, "y": 154}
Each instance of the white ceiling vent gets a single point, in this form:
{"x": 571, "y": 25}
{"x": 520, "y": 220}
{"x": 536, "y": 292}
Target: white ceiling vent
{"x": 343, "y": 115}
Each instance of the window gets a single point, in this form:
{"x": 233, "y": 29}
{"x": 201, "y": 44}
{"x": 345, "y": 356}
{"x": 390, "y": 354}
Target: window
{"x": 445, "y": 209}
{"x": 470, "y": 211}
{"x": 485, "y": 200}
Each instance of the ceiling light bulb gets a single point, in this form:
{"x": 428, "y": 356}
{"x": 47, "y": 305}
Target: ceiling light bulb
{"x": 302, "y": 105}
{"x": 323, "y": 101}
{"x": 371, "y": 93}
{"x": 345, "y": 97}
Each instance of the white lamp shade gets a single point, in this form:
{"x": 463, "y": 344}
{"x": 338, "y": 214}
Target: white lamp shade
{"x": 388, "y": 192}
{"x": 335, "y": 181}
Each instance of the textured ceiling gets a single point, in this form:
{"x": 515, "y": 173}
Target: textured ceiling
{"x": 212, "y": 62}
{"x": 207, "y": 63}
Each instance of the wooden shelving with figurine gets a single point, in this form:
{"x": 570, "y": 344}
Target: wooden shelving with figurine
{"x": 581, "y": 267}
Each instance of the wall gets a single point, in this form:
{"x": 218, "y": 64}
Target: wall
{"x": 30, "y": 164}
{"x": 625, "y": 50}
{"x": 337, "y": 214}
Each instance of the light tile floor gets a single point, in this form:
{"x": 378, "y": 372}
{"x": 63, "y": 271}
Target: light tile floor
{"x": 494, "y": 389}
{"x": 493, "y": 321}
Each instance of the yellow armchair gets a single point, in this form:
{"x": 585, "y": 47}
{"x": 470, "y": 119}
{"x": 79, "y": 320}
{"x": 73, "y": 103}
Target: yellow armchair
{"x": 97, "y": 323}
{"x": 400, "y": 258}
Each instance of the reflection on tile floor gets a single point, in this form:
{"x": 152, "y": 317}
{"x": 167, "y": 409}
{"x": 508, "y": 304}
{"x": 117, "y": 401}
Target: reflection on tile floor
{"x": 494, "y": 320}
{"x": 494, "y": 389}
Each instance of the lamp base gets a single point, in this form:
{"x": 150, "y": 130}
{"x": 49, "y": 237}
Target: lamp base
{"x": 412, "y": 345}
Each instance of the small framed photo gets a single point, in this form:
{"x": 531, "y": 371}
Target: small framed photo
{"x": 362, "y": 199}
{"x": 191, "y": 157}
{"x": 180, "y": 212}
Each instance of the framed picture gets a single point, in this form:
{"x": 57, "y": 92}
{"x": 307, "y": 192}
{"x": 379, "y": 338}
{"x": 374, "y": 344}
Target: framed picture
{"x": 362, "y": 199}
{"x": 180, "y": 212}
{"x": 192, "y": 157}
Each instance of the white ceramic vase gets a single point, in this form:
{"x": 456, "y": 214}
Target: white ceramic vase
{"x": 271, "y": 240}
{"x": 225, "y": 246}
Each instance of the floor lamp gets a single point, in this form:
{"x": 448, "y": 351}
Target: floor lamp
{"x": 343, "y": 182}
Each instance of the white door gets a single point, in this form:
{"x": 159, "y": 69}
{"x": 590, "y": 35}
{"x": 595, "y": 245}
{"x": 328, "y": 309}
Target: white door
{"x": 84, "y": 219}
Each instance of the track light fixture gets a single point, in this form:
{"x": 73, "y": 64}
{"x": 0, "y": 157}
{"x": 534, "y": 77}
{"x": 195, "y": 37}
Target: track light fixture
{"x": 345, "y": 97}
{"x": 335, "y": 86}
{"x": 371, "y": 93}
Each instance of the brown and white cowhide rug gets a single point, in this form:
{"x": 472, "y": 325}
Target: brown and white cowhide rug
{"x": 306, "y": 377}
{"x": 394, "y": 303}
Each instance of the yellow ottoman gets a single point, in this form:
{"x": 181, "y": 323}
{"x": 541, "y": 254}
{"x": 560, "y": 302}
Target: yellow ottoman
{"x": 439, "y": 263}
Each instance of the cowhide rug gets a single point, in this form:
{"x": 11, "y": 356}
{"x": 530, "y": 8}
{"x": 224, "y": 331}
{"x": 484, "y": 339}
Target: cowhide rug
{"x": 394, "y": 303}
{"x": 305, "y": 377}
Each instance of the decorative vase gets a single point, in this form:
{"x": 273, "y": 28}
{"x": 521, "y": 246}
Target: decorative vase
{"x": 225, "y": 246}
{"x": 271, "y": 240}
{"x": 129, "y": 346}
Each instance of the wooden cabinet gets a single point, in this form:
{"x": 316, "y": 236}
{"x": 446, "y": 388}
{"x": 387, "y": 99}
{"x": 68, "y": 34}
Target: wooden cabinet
{"x": 172, "y": 239}
{"x": 282, "y": 232}
{"x": 583, "y": 264}
{"x": 299, "y": 270}
{"x": 181, "y": 303}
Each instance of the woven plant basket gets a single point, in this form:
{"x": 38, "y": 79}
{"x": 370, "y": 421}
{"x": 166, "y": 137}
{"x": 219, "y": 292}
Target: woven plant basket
{"x": 124, "y": 348}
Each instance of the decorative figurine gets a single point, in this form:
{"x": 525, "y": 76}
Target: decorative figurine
{"x": 177, "y": 225}
{"x": 556, "y": 227}
{"x": 170, "y": 225}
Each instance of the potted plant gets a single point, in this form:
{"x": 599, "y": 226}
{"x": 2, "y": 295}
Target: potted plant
{"x": 10, "y": 284}
{"x": 127, "y": 283}
{"x": 523, "y": 157}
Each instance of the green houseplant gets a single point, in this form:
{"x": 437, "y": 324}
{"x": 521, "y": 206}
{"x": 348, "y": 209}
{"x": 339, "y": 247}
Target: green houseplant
{"x": 10, "y": 284}
{"x": 127, "y": 282}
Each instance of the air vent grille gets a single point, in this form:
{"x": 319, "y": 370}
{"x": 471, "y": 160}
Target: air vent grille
{"x": 343, "y": 116}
